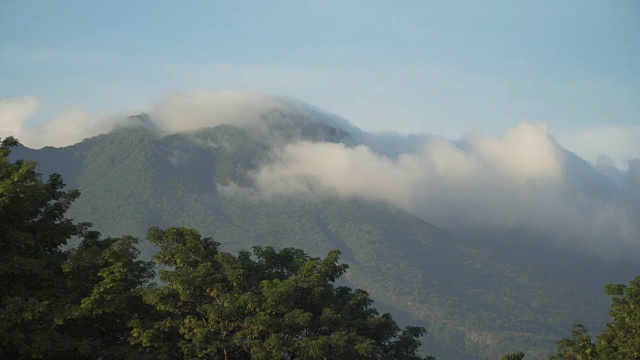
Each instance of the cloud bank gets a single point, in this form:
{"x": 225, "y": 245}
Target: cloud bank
{"x": 520, "y": 182}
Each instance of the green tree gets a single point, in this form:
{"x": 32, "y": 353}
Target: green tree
{"x": 518, "y": 355}
{"x": 266, "y": 305}
{"x": 104, "y": 285}
{"x": 57, "y": 303}
{"x": 621, "y": 337}
{"x": 32, "y": 230}
{"x": 578, "y": 347}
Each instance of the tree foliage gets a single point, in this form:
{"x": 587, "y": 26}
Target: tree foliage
{"x": 57, "y": 303}
{"x": 104, "y": 286}
{"x": 32, "y": 229}
{"x": 578, "y": 347}
{"x": 518, "y": 355}
{"x": 621, "y": 337}
{"x": 266, "y": 304}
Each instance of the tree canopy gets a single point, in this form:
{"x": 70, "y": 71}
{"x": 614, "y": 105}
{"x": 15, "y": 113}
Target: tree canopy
{"x": 266, "y": 304}
{"x": 57, "y": 303}
{"x": 621, "y": 337}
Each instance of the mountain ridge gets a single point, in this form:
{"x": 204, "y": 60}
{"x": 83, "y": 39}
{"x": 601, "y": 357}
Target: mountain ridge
{"x": 474, "y": 302}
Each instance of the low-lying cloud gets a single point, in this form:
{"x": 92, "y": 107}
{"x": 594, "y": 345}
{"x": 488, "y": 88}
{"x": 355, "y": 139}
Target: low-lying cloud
{"x": 176, "y": 113}
{"x": 520, "y": 182}
{"x": 185, "y": 112}
{"x": 523, "y": 181}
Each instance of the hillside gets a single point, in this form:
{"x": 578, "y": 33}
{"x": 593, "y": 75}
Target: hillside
{"x": 477, "y": 299}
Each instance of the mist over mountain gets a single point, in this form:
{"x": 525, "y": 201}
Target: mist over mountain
{"x": 522, "y": 180}
{"x": 494, "y": 243}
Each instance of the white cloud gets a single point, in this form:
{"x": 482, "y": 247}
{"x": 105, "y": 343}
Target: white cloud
{"x": 522, "y": 181}
{"x": 13, "y": 114}
{"x": 304, "y": 166}
{"x": 66, "y": 128}
{"x": 72, "y": 127}
{"x": 183, "y": 112}
{"x": 518, "y": 182}
{"x": 526, "y": 152}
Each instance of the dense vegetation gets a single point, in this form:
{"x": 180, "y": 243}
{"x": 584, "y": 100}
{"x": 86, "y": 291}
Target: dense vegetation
{"x": 96, "y": 301}
{"x": 477, "y": 297}
{"x": 476, "y": 300}
{"x": 621, "y": 337}
{"x": 619, "y": 341}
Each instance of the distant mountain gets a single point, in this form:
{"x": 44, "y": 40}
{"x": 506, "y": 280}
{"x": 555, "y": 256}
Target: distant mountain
{"x": 477, "y": 299}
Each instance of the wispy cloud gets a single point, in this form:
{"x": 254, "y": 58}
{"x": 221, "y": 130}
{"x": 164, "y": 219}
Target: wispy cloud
{"x": 183, "y": 112}
{"x": 13, "y": 114}
{"x": 66, "y": 128}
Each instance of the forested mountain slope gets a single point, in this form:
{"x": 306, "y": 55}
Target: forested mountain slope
{"x": 476, "y": 299}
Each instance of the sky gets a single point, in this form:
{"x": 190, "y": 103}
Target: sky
{"x": 446, "y": 68}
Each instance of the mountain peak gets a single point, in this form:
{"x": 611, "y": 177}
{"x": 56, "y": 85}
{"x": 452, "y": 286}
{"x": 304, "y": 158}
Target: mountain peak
{"x": 142, "y": 119}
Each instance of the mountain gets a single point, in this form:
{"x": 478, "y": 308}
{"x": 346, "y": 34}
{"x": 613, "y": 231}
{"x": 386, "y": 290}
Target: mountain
{"x": 478, "y": 295}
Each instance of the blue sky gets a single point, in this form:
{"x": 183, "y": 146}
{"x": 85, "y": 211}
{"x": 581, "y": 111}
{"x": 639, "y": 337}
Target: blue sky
{"x": 443, "y": 67}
